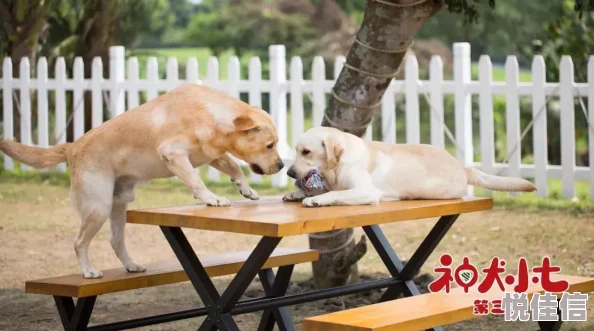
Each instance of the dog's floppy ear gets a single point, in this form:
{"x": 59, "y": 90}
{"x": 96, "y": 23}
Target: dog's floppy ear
{"x": 244, "y": 123}
{"x": 333, "y": 151}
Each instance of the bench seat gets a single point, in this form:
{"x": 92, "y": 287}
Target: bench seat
{"x": 117, "y": 280}
{"x": 423, "y": 311}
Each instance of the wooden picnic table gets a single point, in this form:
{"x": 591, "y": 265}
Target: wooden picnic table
{"x": 274, "y": 219}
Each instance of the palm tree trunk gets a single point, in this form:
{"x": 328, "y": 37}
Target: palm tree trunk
{"x": 387, "y": 31}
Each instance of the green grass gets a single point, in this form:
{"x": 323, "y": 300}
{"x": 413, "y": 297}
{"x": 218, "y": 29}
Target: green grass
{"x": 499, "y": 74}
{"x": 182, "y": 55}
{"x": 202, "y": 55}
{"x": 583, "y": 204}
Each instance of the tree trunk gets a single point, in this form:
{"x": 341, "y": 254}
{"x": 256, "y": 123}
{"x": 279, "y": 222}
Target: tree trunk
{"x": 98, "y": 23}
{"x": 388, "y": 29}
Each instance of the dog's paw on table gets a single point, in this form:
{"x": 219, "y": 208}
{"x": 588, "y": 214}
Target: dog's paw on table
{"x": 216, "y": 201}
{"x": 249, "y": 193}
{"x": 294, "y": 196}
{"x": 313, "y": 202}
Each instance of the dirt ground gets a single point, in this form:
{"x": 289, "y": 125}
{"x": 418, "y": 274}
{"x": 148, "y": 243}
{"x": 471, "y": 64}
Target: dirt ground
{"x": 37, "y": 227}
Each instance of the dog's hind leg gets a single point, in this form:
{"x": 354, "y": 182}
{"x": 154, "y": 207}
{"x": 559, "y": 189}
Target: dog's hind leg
{"x": 118, "y": 238}
{"x": 92, "y": 195}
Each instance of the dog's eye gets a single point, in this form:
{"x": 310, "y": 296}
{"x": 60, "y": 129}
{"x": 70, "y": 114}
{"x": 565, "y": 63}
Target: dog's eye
{"x": 305, "y": 152}
{"x": 270, "y": 146}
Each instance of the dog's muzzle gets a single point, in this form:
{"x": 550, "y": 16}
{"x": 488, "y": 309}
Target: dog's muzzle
{"x": 291, "y": 173}
{"x": 257, "y": 169}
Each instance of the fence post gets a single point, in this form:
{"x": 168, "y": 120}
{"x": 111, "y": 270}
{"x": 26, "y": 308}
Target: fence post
{"x": 60, "y": 133}
{"x": 42, "y": 104}
{"x": 318, "y": 77}
{"x": 7, "y": 106}
{"x": 97, "y": 92}
{"x": 152, "y": 77}
{"x": 278, "y": 105}
{"x": 436, "y": 96}
{"x": 297, "y": 115}
{"x": 255, "y": 95}
{"x": 463, "y": 106}
{"x": 566, "y": 79}
{"x": 411, "y": 93}
{"x": 389, "y": 114}
{"x": 172, "y": 70}
{"x": 539, "y": 132}
{"x": 117, "y": 65}
{"x": 487, "y": 124}
{"x": 192, "y": 75}
{"x": 78, "y": 100}
{"x": 591, "y": 120}
{"x": 512, "y": 117}
{"x": 25, "y": 89}
{"x": 212, "y": 74}
{"x": 132, "y": 99}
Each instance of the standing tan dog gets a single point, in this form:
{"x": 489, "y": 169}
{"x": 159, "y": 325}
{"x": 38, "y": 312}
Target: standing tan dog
{"x": 359, "y": 172}
{"x": 168, "y": 136}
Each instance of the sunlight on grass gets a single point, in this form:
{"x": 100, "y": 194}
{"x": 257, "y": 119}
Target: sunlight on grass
{"x": 182, "y": 55}
{"x": 555, "y": 201}
{"x": 583, "y": 203}
{"x": 499, "y": 74}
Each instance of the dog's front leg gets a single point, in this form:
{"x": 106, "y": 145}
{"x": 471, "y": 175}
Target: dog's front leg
{"x": 179, "y": 164}
{"x": 295, "y": 196}
{"x": 357, "y": 196}
{"x": 226, "y": 165}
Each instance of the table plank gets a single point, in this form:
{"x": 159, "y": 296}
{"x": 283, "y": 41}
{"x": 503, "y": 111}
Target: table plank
{"x": 272, "y": 217}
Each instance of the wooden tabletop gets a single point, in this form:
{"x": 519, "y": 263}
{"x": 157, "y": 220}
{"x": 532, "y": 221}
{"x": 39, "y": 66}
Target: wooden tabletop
{"x": 270, "y": 216}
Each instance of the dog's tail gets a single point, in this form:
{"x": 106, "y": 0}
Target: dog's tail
{"x": 36, "y": 157}
{"x": 498, "y": 183}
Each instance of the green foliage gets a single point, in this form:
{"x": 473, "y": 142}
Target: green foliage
{"x": 495, "y": 32}
{"x": 584, "y": 5}
{"x": 468, "y": 8}
{"x": 471, "y": 8}
{"x": 248, "y": 27}
{"x": 129, "y": 21}
{"x": 568, "y": 36}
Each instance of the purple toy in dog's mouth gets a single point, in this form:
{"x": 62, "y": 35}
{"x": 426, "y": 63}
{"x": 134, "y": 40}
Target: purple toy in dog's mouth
{"x": 312, "y": 181}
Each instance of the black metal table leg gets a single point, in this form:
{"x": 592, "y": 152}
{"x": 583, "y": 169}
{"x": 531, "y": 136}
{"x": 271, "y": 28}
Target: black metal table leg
{"x": 245, "y": 276}
{"x": 427, "y": 247}
{"x": 219, "y": 306}
{"x": 65, "y": 307}
{"x": 276, "y": 288}
{"x": 550, "y": 326}
{"x": 196, "y": 272}
{"x": 75, "y": 317}
{"x": 407, "y": 272}
{"x": 389, "y": 257}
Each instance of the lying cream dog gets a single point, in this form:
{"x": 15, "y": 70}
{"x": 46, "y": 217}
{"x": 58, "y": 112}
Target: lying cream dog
{"x": 168, "y": 136}
{"x": 358, "y": 172}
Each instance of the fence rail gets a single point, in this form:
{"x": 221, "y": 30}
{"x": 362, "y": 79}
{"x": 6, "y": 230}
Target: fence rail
{"x": 125, "y": 88}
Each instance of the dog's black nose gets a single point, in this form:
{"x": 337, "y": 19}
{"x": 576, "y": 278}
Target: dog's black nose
{"x": 280, "y": 165}
{"x": 291, "y": 172}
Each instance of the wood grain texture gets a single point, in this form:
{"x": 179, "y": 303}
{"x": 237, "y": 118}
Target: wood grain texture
{"x": 423, "y": 311}
{"x": 272, "y": 217}
{"x": 170, "y": 272}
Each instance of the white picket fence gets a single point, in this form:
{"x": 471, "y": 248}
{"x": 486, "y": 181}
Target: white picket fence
{"x": 121, "y": 91}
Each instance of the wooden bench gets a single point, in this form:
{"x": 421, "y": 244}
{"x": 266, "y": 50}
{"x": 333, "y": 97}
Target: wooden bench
{"x": 426, "y": 310}
{"x": 76, "y": 317}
